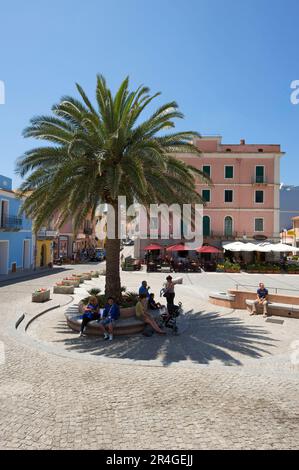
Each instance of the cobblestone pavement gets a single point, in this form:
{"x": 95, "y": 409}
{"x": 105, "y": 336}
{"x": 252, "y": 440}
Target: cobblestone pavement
{"x": 226, "y": 382}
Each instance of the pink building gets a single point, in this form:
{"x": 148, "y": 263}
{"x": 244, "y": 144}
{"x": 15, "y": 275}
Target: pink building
{"x": 244, "y": 198}
{"x": 243, "y": 201}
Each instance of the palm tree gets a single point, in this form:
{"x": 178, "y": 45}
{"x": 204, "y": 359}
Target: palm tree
{"x": 98, "y": 153}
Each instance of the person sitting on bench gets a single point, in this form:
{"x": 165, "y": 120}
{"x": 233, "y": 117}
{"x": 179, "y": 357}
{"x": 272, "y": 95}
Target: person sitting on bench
{"x": 143, "y": 315}
{"x": 152, "y": 304}
{"x": 91, "y": 312}
{"x": 110, "y": 316}
{"x": 262, "y": 299}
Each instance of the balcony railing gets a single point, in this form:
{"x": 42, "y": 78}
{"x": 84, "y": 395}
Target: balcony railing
{"x": 47, "y": 234}
{"x": 230, "y": 235}
{"x": 11, "y": 222}
{"x": 257, "y": 179}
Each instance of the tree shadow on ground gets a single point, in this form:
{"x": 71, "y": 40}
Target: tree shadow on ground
{"x": 205, "y": 337}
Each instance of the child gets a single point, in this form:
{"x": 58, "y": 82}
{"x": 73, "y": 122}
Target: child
{"x": 152, "y": 304}
{"x": 91, "y": 312}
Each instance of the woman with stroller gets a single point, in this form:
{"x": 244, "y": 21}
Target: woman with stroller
{"x": 143, "y": 315}
{"x": 169, "y": 290}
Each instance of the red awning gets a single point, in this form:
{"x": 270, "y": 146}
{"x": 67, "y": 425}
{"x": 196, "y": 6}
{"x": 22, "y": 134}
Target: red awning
{"x": 208, "y": 249}
{"x": 179, "y": 247}
{"x": 153, "y": 247}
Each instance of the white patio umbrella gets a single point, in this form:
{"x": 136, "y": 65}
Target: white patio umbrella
{"x": 281, "y": 248}
{"x": 240, "y": 246}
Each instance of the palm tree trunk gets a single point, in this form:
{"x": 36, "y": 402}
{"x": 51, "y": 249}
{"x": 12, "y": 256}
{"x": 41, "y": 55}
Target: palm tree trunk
{"x": 113, "y": 286}
{"x": 113, "y": 269}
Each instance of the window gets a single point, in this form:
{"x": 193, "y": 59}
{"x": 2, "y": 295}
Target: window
{"x": 258, "y": 225}
{"x": 228, "y": 195}
{"x": 259, "y": 174}
{"x": 206, "y": 195}
{"x": 207, "y": 170}
{"x": 259, "y": 197}
{"x": 229, "y": 171}
{"x": 228, "y": 226}
{"x": 206, "y": 226}
{"x": 228, "y": 150}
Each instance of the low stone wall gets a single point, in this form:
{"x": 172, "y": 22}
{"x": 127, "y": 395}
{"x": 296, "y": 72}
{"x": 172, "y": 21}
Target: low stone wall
{"x": 240, "y": 296}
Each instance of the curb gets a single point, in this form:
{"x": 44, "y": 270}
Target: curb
{"x": 46, "y": 311}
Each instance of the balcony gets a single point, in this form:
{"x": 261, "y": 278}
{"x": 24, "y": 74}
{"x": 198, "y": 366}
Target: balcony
{"x": 259, "y": 180}
{"x": 232, "y": 235}
{"x": 11, "y": 222}
{"x": 47, "y": 234}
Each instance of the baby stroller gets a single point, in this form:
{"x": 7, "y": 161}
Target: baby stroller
{"x": 169, "y": 315}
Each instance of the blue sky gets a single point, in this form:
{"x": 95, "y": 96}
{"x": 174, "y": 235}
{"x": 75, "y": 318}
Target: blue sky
{"x": 228, "y": 63}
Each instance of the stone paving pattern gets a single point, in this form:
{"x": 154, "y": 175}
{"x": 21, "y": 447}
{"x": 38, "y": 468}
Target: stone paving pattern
{"x": 226, "y": 382}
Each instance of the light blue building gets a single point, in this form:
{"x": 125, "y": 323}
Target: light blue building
{"x": 16, "y": 243}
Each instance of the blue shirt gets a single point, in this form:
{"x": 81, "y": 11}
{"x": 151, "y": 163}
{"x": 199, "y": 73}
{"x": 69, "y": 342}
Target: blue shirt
{"x": 144, "y": 290}
{"x": 111, "y": 311}
{"x": 93, "y": 309}
{"x": 262, "y": 293}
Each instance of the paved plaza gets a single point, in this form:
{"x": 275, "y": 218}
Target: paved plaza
{"x": 228, "y": 381}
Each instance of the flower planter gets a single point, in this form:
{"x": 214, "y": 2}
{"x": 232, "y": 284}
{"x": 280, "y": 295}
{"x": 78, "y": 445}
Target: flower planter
{"x": 94, "y": 274}
{"x": 79, "y": 278}
{"x": 71, "y": 282}
{"x": 41, "y": 296}
{"x": 63, "y": 289}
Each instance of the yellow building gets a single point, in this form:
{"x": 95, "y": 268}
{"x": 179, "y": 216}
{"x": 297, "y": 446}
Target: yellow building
{"x": 44, "y": 253}
{"x": 296, "y": 231}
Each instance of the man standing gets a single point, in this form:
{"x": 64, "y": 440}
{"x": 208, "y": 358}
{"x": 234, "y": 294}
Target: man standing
{"x": 262, "y": 299}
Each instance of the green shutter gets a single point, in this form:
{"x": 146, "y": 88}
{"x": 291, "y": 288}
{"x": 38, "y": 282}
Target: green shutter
{"x": 229, "y": 172}
{"x": 207, "y": 170}
{"x": 206, "y": 226}
{"x": 259, "y": 174}
{"x": 206, "y": 195}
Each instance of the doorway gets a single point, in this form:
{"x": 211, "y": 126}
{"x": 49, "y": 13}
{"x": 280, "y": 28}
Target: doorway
{"x": 4, "y": 245}
{"x": 43, "y": 256}
{"x": 26, "y": 254}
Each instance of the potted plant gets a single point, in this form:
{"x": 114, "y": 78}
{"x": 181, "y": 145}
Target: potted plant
{"x": 41, "y": 295}
{"x": 59, "y": 288}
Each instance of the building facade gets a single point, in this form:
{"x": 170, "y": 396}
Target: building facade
{"x": 16, "y": 241}
{"x": 295, "y": 231}
{"x": 243, "y": 201}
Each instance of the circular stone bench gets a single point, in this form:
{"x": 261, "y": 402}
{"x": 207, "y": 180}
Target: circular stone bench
{"x": 127, "y": 324}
